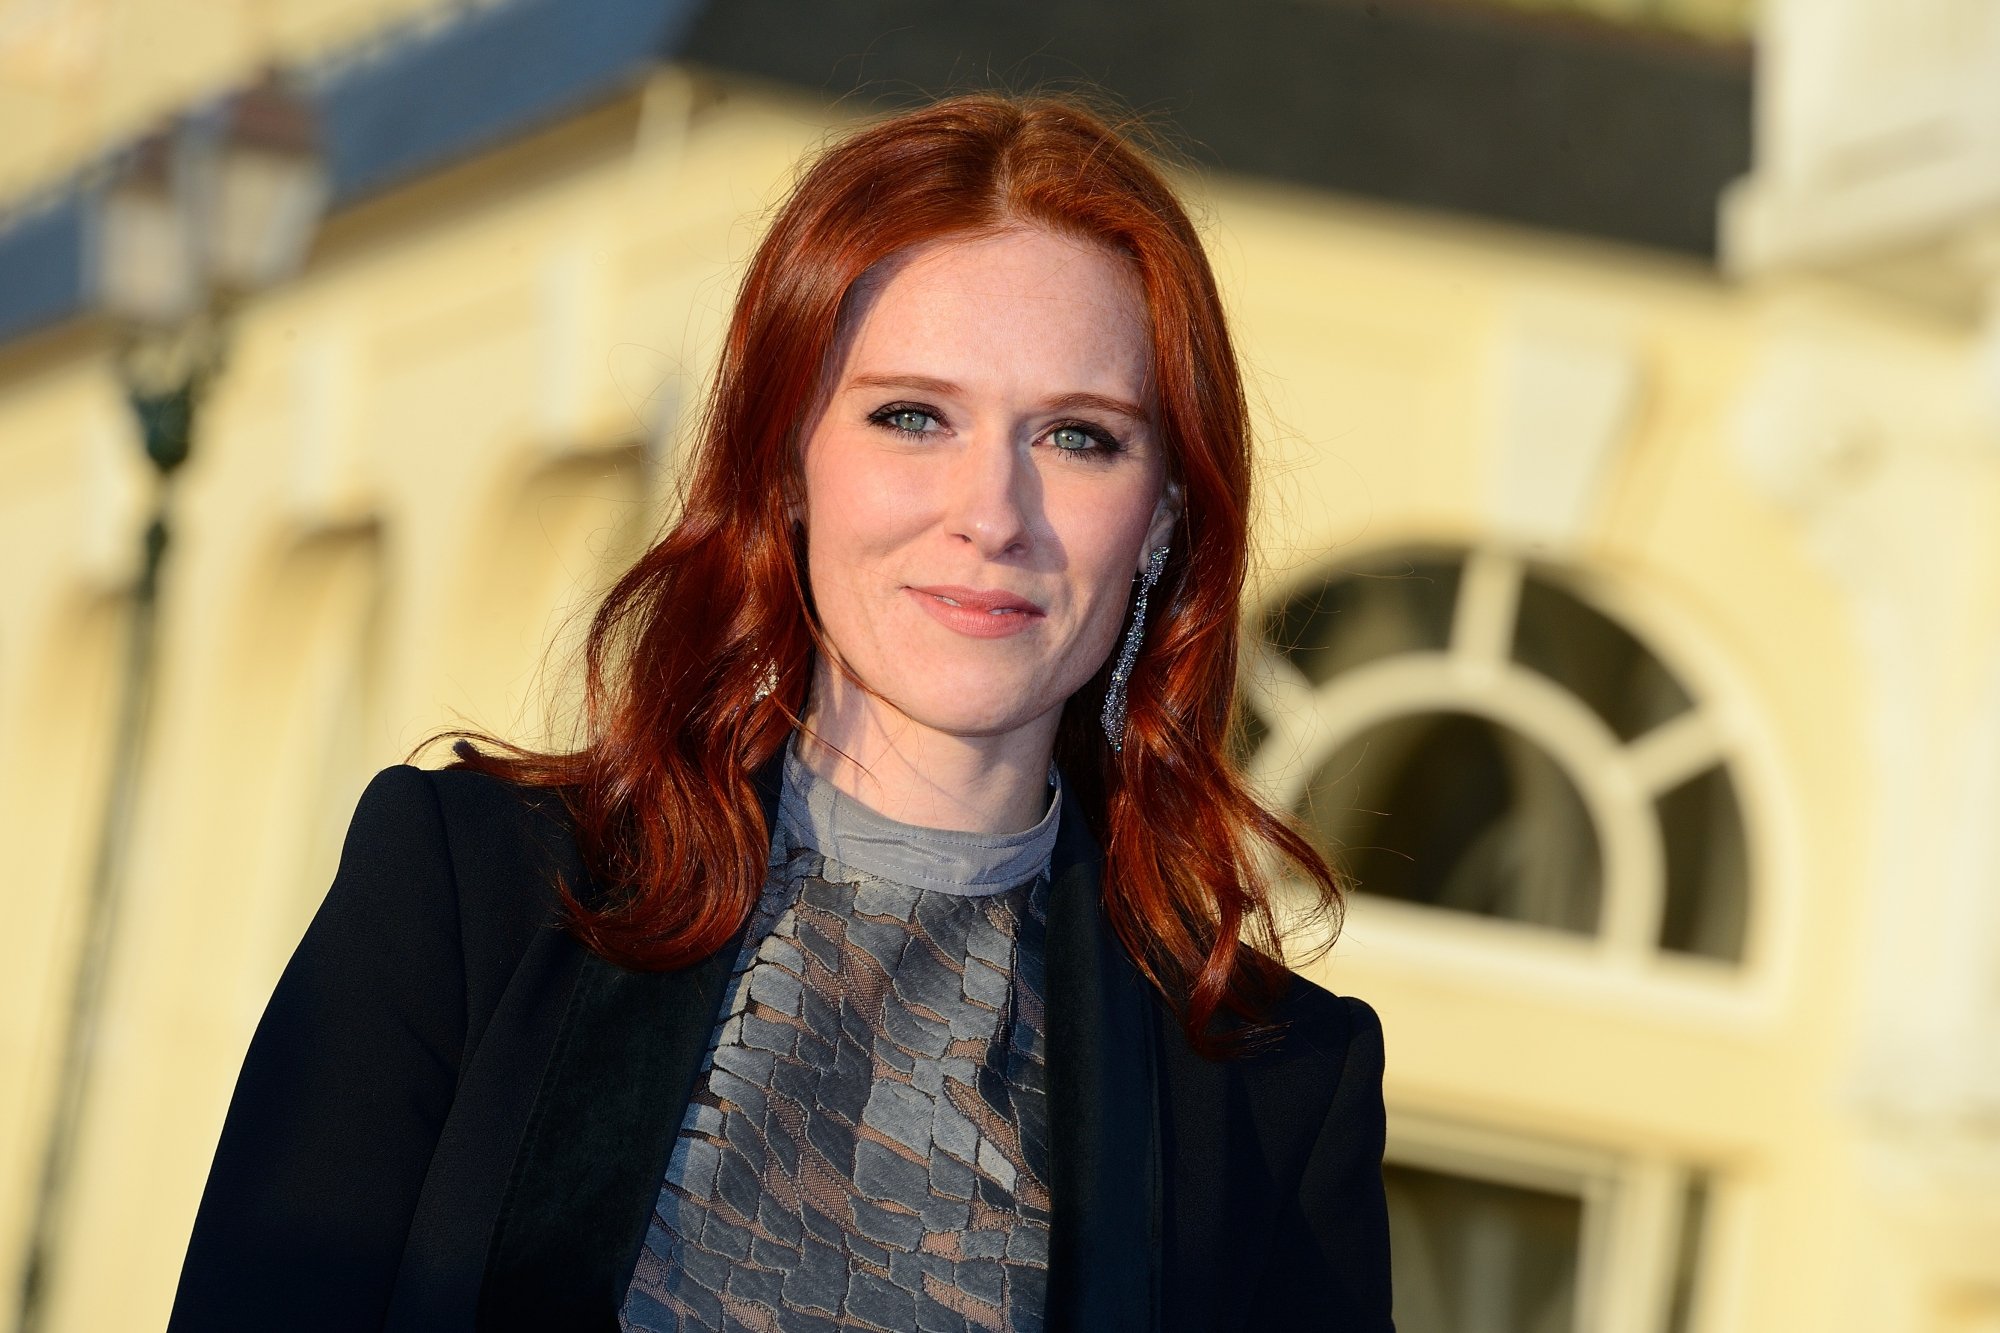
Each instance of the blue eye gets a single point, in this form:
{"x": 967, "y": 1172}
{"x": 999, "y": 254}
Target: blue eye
{"x": 1075, "y": 437}
{"x": 906, "y": 420}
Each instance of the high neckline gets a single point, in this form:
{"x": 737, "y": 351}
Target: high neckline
{"x": 818, "y": 814}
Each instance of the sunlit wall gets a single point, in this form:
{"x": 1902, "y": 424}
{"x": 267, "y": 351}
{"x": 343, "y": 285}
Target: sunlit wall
{"x": 1625, "y": 621}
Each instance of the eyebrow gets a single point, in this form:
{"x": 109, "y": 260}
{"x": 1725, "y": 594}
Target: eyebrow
{"x": 1067, "y": 402}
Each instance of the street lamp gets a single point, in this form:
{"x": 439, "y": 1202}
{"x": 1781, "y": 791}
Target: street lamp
{"x": 204, "y": 213}
{"x": 219, "y": 205}
{"x": 207, "y": 212}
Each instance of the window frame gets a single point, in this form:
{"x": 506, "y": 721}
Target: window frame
{"x": 1630, "y": 1244}
{"x": 1304, "y": 723}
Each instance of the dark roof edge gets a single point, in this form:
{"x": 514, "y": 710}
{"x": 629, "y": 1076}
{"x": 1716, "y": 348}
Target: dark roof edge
{"x": 407, "y": 101}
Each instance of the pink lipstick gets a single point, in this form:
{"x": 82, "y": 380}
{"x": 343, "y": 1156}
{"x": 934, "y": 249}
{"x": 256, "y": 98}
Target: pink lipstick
{"x": 980, "y": 613}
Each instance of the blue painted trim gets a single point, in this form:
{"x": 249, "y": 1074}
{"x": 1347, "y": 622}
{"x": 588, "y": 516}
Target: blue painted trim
{"x": 43, "y": 264}
{"x": 482, "y": 78}
{"x": 407, "y": 103}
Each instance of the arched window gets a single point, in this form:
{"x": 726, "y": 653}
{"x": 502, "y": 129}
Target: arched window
{"x": 1471, "y": 732}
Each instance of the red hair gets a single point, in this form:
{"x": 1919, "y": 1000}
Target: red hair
{"x": 698, "y": 661}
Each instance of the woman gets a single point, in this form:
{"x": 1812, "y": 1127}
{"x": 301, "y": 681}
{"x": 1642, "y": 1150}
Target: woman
{"x": 877, "y": 961}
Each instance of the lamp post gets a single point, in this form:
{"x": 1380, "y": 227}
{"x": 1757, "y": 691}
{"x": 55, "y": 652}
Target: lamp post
{"x": 203, "y": 214}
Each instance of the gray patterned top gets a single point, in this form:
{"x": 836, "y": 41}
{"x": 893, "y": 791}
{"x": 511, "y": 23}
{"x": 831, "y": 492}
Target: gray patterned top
{"x": 867, "y": 1145}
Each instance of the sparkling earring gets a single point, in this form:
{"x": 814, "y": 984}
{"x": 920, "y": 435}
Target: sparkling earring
{"x": 1128, "y": 653}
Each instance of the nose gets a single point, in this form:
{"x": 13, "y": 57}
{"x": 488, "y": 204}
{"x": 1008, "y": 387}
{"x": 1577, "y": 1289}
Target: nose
{"x": 992, "y": 497}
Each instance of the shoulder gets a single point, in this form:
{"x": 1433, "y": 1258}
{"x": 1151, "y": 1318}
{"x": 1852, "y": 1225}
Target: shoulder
{"x": 497, "y": 847}
{"x": 1326, "y": 1121}
{"x": 474, "y": 802}
{"x": 1321, "y": 1059}
{"x": 1294, "y": 1124}
{"x": 1325, "y": 1048}
{"x": 466, "y": 809}
{"x": 479, "y": 819}
{"x": 1316, "y": 1024}
{"x": 1338, "y": 1038}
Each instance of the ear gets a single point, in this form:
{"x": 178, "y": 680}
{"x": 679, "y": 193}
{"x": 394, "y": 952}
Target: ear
{"x": 1166, "y": 513}
{"x": 795, "y": 498}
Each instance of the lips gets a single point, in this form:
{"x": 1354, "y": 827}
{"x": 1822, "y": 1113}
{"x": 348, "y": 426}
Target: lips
{"x": 978, "y": 613}
{"x": 989, "y": 601}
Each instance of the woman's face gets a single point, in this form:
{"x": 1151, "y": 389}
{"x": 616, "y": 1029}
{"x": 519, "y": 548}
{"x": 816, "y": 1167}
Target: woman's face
{"x": 985, "y": 478}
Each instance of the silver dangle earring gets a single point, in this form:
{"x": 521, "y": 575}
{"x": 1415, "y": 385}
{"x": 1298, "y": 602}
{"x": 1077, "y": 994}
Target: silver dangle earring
{"x": 1128, "y": 653}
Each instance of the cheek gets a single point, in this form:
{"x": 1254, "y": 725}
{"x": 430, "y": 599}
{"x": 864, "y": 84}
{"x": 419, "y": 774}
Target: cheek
{"x": 1104, "y": 528}
{"x": 859, "y": 511}
{"x": 1104, "y": 537}
{"x": 841, "y": 497}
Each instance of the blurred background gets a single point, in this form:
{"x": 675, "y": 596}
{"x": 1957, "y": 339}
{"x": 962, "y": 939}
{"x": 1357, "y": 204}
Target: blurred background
{"x": 1628, "y": 383}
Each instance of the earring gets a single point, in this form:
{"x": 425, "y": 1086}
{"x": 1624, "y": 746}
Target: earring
{"x": 1128, "y": 653}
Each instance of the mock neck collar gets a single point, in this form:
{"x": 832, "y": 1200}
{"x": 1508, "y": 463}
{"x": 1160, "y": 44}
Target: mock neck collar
{"x": 815, "y": 813}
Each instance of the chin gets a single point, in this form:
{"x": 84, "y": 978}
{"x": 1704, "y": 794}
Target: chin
{"x": 973, "y": 712}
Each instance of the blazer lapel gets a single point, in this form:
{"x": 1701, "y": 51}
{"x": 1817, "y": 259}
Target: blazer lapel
{"x": 1104, "y": 1140}
{"x": 624, "y": 1065}
{"x": 604, "y": 1122}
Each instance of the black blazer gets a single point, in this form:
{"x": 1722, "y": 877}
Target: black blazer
{"x": 453, "y": 1116}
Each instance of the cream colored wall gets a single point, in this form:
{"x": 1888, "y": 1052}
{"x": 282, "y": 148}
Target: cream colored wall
{"x": 1378, "y": 340}
{"x": 459, "y": 420}
{"x": 423, "y": 455}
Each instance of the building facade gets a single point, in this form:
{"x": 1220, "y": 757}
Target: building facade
{"x": 1625, "y": 600}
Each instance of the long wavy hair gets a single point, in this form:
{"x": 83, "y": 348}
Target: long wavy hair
{"x": 698, "y": 661}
